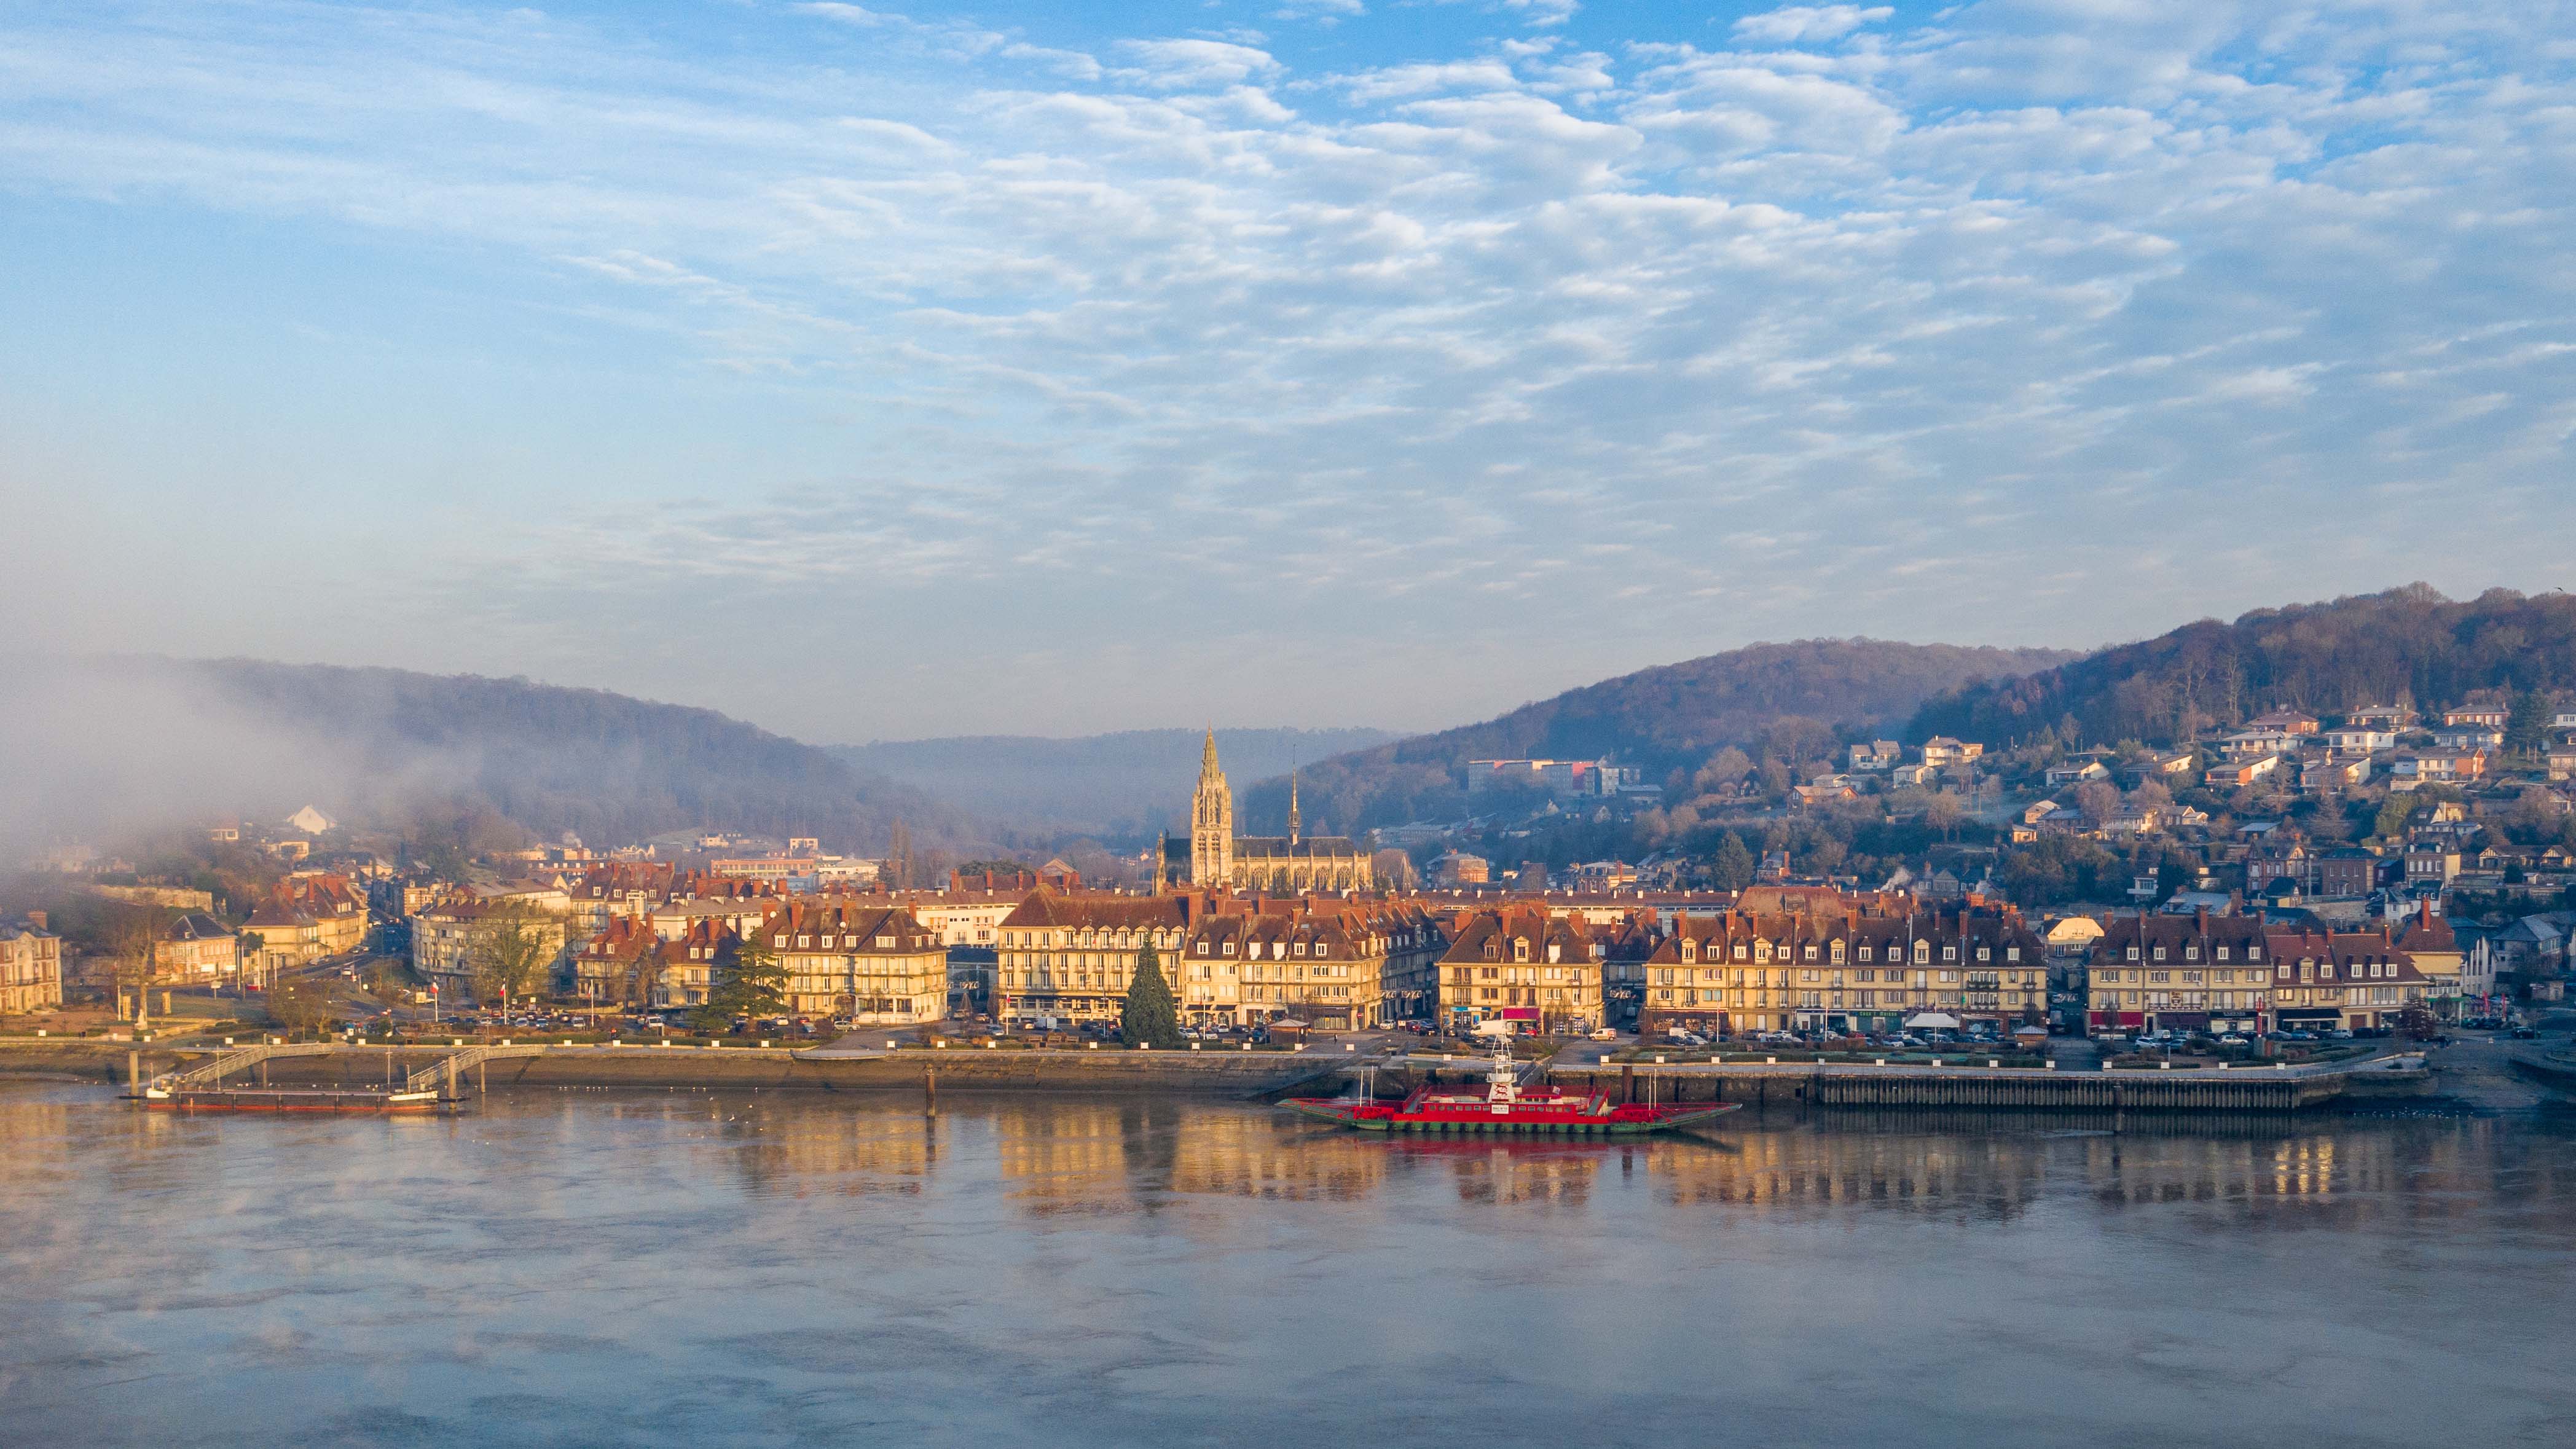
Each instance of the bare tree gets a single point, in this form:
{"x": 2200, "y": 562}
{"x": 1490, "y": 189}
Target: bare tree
{"x": 513, "y": 944}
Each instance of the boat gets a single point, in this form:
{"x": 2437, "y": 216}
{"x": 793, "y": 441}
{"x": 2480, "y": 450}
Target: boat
{"x": 1505, "y": 1106}
{"x": 375, "y": 1101}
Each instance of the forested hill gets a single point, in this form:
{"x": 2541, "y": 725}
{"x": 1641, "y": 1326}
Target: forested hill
{"x": 1659, "y": 719}
{"x": 134, "y": 742}
{"x": 2408, "y": 643}
{"x": 1130, "y": 783}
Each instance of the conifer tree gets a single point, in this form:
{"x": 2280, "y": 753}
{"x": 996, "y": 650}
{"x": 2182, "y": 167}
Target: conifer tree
{"x": 1151, "y": 1017}
{"x": 1735, "y": 864}
{"x": 749, "y": 983}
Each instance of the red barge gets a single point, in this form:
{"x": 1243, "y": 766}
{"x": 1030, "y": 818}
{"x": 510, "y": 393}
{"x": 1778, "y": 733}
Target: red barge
{"x": 1505, "y": 1106}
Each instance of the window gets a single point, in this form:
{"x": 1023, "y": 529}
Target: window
{"x": 1949, "y": 953}
{"x": 1229, "y": 948}
{"x": 2222, "y": 953}
{"x": 1864, "y": 953}
{"x": 2133, "y": 953}
{"x": 2012, "y": 953}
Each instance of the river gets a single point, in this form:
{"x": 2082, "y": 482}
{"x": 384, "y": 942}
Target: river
{"x": 596, "y": 1267}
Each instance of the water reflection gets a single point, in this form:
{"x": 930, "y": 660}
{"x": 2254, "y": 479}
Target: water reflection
{"x": 697, "y": 1267}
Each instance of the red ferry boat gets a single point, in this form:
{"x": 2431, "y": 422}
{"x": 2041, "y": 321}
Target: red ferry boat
{"x": 1504, "y": 1105}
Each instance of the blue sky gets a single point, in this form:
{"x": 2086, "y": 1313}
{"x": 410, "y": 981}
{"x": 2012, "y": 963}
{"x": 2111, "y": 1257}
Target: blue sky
{"x": 884, "y": 371}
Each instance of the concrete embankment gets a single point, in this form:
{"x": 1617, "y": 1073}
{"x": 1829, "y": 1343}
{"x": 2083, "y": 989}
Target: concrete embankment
{"x": 1990, "y": 1089}
{"x": 1218, "y": 1074}
{"x": 1272, "y": 1074}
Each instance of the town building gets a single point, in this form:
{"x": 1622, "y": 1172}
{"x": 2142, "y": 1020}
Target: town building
{"x": 2193, "y": 973}
{"x": 197, "y": 950}
{"x": 449, "y": 936}
{"x": 31, "y": 967}
{"x": 1863, "y": 967}
{"x": 848, "y": 957}
{"x": 2355, "y": 981}
{"x": 1524, "y": 965}
{"x": 1068, "y": 958}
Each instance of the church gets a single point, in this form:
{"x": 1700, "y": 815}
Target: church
{"x": 1214, "y": 857}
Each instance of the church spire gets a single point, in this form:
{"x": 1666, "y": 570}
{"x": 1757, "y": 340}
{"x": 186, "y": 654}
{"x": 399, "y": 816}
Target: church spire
{"x": 1207, "y": 758}
{"x": 1295, "y": 824}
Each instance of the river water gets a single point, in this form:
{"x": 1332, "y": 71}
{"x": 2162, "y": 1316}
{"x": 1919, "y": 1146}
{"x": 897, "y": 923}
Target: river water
{"x": 595, "y": 1267}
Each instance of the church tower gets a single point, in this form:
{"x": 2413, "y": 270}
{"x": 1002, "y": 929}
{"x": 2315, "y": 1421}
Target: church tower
{"x": 1296, "y": 825}
{"x": 1211, "y": 822}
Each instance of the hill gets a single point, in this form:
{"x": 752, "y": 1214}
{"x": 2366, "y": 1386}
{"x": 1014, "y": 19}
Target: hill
{"x": 1121, "y": 785}
{"x": 1659, "y": 720}
{"x": 2405, "y": 644}
{"x": 125, "y": 744}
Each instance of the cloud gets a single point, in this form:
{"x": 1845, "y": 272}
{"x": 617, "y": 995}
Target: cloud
{"x": 1175, "y": 64}
{"x": 1913, "y": 334}
{"x": 1793, "y": 24}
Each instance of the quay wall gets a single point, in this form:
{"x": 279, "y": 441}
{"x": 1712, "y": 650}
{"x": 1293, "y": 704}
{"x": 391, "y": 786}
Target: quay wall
{"x": 1996, "y": 1090}
{"x": 1270, "y": 1074}
{"x": 1221, "y": 1074}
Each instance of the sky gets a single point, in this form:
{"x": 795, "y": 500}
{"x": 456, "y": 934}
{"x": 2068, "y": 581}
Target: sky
{"x": 1046, "y": 368}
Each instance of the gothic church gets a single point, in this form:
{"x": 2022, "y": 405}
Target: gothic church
{"x": 1288, "y": 864}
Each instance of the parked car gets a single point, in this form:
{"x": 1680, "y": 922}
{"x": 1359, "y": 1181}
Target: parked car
{"x": 1605, "y": 1034}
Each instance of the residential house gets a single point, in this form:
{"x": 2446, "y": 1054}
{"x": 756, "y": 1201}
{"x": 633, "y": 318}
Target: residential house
{"x": 2239, "y": 773}
{"x": 2561, "y": 760}
{"x": 2353, "y": 739}
{"x": 1876, "y": 755}
{"x": 2076, "y": 772}
{"x": 309, "y": 821}
{"x": 2347, "y": 870}
{"x": 2253, "y": 744}
{"x": 1942, "y": 751}
{"x": 2286, "y": 721}
{"x": 2469, "y": 737}
{"x": 2493, "y": 716}
{"x": 2431, "y": 865}
{"x": 2320, "y": 773}
{"x": 2390, "y": 717}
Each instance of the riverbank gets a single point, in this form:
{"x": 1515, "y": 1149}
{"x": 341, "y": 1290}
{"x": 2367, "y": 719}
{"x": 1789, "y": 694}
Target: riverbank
{"x": 1272, "y": 1074}
{"x": 773, "y": 1068}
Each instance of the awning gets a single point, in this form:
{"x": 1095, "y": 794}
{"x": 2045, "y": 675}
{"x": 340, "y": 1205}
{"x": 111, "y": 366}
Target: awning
{"x": 1932, "y": 1021}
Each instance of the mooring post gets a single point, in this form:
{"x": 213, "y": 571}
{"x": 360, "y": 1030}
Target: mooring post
{"x": 134, "y": 1073}
{"x": 1627, "y": 1081}
{"x": 482, "y": 1078}
{"x": 930, "y": 1091}
{"x": 450, "y": 1093}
